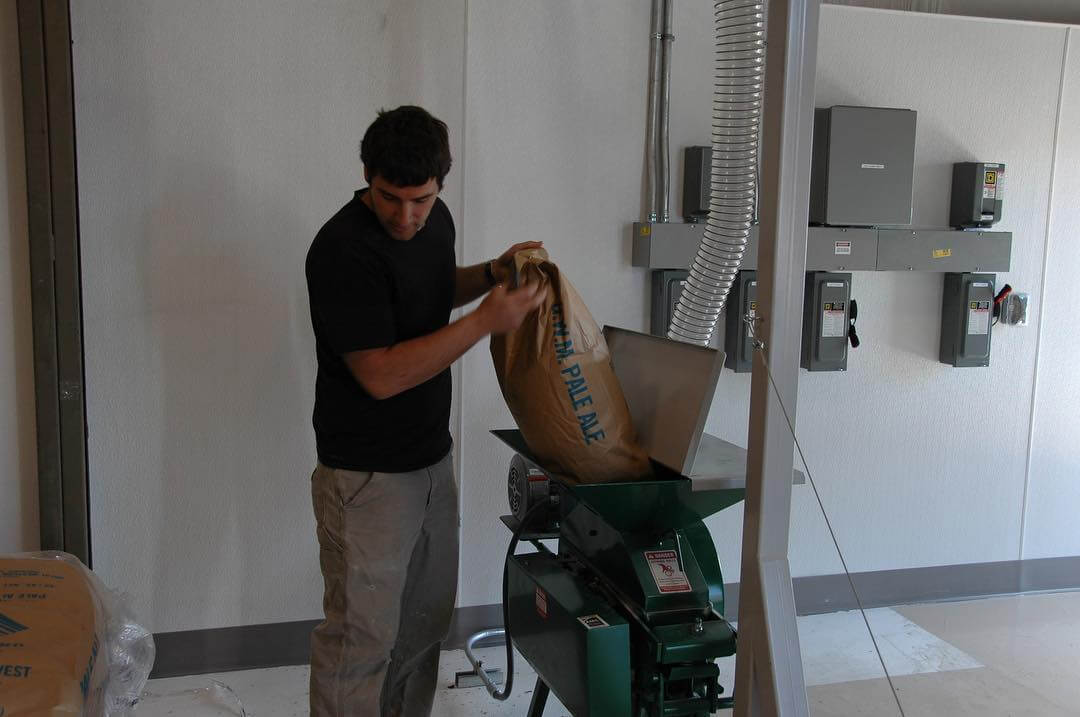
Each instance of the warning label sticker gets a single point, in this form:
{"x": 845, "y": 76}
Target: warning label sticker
{"x": 833, "y": 320}
{"x": 994, "y": 184}
{"x": 753, "y": 316}
{"x": 842, "y": 247}
{"x": 978, "y": 318}
{"x": 592, "y": 621}
{"x": 665, "y": 571}
{"x": 541, "y": 603}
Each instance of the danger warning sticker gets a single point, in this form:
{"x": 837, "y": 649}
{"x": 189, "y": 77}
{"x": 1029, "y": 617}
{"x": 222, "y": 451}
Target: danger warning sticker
{"x": 842, "y": 247}
{"x": 978, "y": 323}
{"x": 833, "y": 320}
{"x": 664, "y": 565}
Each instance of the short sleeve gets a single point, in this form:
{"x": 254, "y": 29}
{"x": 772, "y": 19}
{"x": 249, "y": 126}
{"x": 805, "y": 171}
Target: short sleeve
{"x": 351, "y": 301}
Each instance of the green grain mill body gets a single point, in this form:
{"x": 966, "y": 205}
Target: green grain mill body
{"x": 626, "y": 620}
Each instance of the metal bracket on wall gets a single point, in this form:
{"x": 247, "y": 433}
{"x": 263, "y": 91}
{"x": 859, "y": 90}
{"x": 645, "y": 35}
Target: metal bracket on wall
{"x": 673, "y": 246}
{"x": 55, "y": 276}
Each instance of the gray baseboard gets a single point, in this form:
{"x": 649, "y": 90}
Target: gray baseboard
{"x": 883, "y": 588}
{"x": 224, "y": 649}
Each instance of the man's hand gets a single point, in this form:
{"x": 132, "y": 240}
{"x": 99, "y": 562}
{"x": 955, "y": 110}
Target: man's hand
{"x": 503, "y": 267}
{"x": 503, "y": 310}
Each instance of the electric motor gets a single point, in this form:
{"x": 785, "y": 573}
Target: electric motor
{"x": 526, "y": 486}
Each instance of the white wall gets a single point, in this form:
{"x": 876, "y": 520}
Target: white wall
{"x": 1054, "y": 490}
{"x": 214, "y": 140}
{"x": 18, "y": 457}
{"x": 918, "y": 463}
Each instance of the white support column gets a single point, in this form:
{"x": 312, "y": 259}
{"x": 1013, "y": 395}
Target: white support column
{"x": 769, "y": 675}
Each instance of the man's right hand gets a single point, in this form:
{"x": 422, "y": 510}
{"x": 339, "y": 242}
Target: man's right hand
{"x": 503, "y": 310}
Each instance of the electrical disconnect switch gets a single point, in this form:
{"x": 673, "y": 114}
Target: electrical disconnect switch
{"x": 826, "y": 321}
{"x": 738, "y": 329}
{"x": 966, "y": 311}
{"x": 667, "y": 287}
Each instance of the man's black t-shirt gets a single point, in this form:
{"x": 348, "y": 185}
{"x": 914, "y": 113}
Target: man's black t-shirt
{"x": 368, "y": 290}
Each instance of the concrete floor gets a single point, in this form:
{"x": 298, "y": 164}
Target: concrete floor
{"x": 1014, "y": 656}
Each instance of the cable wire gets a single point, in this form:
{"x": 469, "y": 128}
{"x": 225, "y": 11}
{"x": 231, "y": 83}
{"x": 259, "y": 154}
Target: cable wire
{"x": 760, "y": 346}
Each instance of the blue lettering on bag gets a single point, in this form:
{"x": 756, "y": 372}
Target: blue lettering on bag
{"x": 576, "y": 388}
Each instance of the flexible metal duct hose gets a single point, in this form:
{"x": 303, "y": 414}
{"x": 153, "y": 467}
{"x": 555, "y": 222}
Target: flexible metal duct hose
{"x": 736, "y": 118}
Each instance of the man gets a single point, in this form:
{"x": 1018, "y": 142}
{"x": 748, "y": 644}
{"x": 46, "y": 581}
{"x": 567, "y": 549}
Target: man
{"x": 382, "y": 280}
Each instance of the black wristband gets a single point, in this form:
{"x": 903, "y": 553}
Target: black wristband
{"x": 489, "y": 273}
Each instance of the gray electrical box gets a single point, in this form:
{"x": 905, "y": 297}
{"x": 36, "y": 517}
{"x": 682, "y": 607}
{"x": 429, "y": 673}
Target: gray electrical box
{"x": 863, "y": 166}
{"x": 667, "y": 286}
{"x": 966, "y": 310}
{"x": 697, "y": 176}
{"x": 738, "y": 334}
{"x": 978, "y": 190}
{"x": 826, "y": 310}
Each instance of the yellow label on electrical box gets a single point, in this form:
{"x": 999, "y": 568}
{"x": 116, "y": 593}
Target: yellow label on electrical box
{"x": 942, "y": 253}
{"x": 645, "y": 230}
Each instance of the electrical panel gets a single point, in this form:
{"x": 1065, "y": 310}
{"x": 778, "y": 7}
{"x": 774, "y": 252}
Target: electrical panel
{"x": 978, "y": 190}
{"x": 863, "y": 166}
{"x": 966, "y": 310}
{"x": 667, "y": 286}
{"x": 738, "y": 333}
{"x": 826, "y": 320}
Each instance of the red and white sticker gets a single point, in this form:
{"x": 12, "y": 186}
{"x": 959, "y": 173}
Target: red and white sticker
{"x": 541, "y": 603}
{"x": 842, "y": 247}
{"x": 978, "y": 323}
{"x": 664, "y": 565}
{"x": 833, "y": 320}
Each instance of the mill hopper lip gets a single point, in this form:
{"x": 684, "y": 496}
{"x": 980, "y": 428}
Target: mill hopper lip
{"x": 669, "y": 387}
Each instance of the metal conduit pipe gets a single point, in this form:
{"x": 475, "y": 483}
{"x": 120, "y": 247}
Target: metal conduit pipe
{"x": 666, "y": 38}
{"x": 739, "y": 74}
{"x": 651, "y": 123}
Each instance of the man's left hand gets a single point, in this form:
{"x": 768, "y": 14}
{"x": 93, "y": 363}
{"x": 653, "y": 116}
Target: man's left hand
{"x": 503, "y": 267}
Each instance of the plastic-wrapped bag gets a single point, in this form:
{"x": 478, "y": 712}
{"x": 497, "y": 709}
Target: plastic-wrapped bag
{"x": 215, "y": 699}
{"x": 556, "y": 376}
{"x": 68, "y": 645}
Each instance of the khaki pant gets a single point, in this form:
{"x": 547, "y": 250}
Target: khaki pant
{"x": 388, "y": 548}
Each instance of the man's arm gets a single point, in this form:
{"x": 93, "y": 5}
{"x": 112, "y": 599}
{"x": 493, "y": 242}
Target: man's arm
{"x": 471, "y": 282}
{"x": 388, "y": 371}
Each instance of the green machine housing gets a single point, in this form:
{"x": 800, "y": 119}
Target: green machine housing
{"x": 626, "y": 617}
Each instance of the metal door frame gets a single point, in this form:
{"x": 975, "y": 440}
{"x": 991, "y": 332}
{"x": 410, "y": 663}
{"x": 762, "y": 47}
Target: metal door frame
{"x": 55, "y": 274}
{"x": 769, "y": 673}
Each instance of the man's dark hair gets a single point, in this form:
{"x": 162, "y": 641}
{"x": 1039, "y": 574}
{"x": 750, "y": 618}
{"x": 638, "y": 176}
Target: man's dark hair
{"x": 406, "y": 147}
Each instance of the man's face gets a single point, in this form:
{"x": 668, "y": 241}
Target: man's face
{"x": 402, "y": 211}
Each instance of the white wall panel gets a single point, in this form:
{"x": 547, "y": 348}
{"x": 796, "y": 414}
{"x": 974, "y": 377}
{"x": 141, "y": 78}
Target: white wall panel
{"x": 214, "y": 140}
{"x": 1054, "y": 491}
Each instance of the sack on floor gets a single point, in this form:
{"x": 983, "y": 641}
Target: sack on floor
{"x": 556, "y": 376}
{"x": 68, "y": 645}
